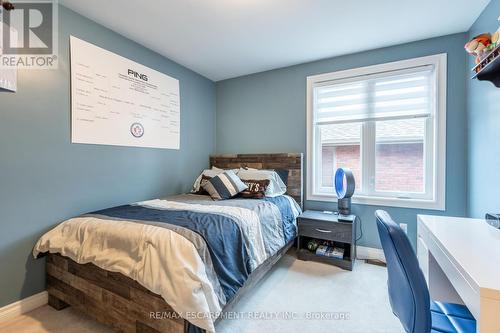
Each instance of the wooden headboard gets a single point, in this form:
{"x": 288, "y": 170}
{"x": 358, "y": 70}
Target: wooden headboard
{"x": 291, "y": 162}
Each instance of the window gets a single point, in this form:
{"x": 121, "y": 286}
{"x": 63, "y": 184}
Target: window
{"x": 387, "y": 124}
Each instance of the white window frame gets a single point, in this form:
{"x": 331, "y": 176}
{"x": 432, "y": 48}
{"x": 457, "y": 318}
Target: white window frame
{"x": 438, "y": 165}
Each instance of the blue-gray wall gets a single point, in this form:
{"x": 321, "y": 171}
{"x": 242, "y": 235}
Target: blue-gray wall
{"x": 266, "y": 112}
{"x": 483, "y": 117}
{"x": 45, "y": 179}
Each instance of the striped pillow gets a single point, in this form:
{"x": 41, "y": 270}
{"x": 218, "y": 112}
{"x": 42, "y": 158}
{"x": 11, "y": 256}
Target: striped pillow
{"x": 224, "y": 186}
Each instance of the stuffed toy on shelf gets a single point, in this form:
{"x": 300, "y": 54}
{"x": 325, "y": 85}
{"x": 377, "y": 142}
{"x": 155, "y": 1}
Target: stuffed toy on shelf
{"x": 495, "y": 37}
{"x": 6, "y": 5}
{"x": 479, "y": 46}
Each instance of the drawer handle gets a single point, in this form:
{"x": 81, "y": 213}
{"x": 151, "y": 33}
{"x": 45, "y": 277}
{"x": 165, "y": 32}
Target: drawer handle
{"x": 323, "y": 231}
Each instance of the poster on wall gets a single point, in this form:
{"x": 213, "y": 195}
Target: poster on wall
{"x": 116, "y": 101}
{"x": 8, "y": 75}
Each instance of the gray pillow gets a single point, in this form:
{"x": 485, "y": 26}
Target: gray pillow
{"x": 224, "y": 186}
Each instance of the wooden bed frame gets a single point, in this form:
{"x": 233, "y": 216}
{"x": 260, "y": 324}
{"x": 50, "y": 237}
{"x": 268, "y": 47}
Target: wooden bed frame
{"x": 123, "y": 304}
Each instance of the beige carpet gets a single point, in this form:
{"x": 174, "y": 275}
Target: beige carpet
{"x": 296, "y": 296}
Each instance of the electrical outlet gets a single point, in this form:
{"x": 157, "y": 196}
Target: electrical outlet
{"x": 404, "y": 226}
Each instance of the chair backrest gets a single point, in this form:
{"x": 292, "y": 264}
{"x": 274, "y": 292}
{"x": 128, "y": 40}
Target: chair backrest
{"x": 408, "y": 292}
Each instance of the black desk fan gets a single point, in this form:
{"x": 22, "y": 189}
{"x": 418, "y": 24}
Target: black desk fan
{"x": 344, "y": 187}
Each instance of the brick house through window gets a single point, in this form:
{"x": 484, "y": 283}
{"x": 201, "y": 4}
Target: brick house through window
{"x": 346, "y": 156}
{"x": 399, "y": 154}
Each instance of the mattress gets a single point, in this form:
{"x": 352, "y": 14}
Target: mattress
{"x": 194, "y": 252}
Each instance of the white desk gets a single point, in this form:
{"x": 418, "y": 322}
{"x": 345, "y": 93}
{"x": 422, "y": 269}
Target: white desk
{"x": 460, "y": 259}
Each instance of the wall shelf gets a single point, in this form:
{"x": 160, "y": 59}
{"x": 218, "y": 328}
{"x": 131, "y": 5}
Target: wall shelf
{"x": 489, "y": 68}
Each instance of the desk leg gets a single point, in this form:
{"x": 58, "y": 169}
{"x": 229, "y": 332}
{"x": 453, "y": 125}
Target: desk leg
{"x": 490, "y": 310}
{"x": 440, "y": 287}
{"x": 423, "y": 257}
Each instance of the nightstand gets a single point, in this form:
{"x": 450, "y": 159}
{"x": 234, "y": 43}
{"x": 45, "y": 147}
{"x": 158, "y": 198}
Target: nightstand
{"x": 325, "y": 227}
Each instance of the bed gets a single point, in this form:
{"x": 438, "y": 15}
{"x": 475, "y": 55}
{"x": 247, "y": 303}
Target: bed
{"x": 176, "y": 264}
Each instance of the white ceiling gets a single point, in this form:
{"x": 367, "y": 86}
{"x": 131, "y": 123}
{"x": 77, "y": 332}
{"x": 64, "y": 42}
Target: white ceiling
{"x": 222, "y": 39}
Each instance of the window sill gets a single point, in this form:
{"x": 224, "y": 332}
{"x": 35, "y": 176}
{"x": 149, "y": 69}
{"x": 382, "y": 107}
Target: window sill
{"x": 381, "y": 201}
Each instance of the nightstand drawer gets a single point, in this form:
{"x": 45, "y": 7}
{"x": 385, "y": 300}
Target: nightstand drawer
{"x": 340, "y": 232}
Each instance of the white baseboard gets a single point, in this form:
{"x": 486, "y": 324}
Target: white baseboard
{"x": 25, "y": 305}
{"x": 363, "y": 252}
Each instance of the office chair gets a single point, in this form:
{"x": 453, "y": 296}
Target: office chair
{"x": 408, "y": 292}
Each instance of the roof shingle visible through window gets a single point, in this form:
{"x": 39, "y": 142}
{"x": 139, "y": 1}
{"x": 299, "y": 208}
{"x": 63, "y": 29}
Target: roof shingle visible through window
{"x": 407, "y": 130}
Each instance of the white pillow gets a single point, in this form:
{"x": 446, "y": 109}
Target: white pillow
{"x": 276, "y": 186}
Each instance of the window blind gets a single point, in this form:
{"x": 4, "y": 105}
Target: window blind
{"x": 398, "y": 94}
